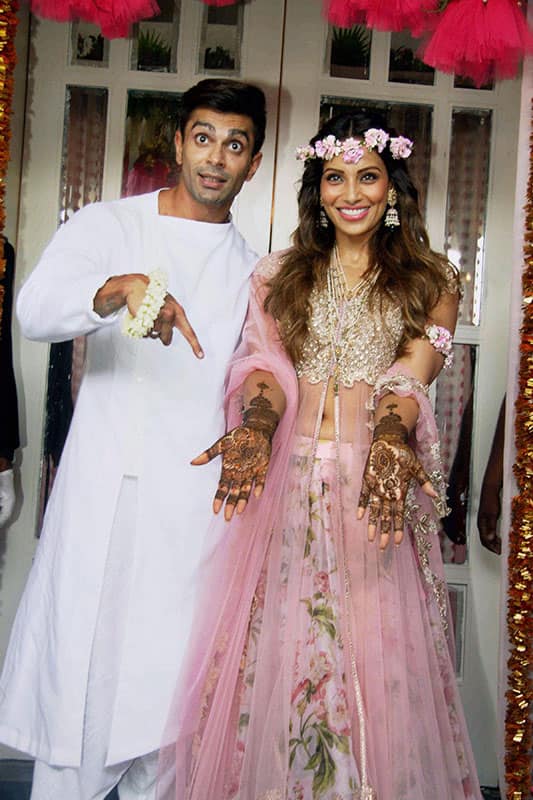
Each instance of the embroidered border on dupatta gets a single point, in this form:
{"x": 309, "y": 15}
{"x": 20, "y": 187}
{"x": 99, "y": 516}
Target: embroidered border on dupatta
{"x": 423, "y": 524}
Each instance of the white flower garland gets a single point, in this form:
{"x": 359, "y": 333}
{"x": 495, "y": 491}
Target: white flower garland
{"x": 141, "y": 324}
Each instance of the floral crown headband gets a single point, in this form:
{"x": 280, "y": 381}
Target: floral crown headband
{"x": 353, "y": 150}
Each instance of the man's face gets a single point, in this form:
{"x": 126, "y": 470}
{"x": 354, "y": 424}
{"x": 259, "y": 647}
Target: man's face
{"x": 215, "y": 155}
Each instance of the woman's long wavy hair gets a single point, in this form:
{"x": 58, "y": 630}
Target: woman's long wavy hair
{"x": 402, "y": 265}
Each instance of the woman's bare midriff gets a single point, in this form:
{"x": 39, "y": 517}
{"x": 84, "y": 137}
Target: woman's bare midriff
{"x": 327, "y": 428}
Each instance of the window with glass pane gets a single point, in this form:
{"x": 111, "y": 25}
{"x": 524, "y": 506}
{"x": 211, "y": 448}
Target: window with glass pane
{"x": 349, "y": 52}
{"x": 460, "y": 82}
{"x": 149, "y": 153}
{"x": 404, "y": 66}
{"x": 468, "y": 178}
{"x": 88, "y": 48}
{"x": 454, "y": 404}
{"x": 155, "y": 40}
{"x": 220, "y": 44}
{"x": 82, "y": 172}
{"x": 82, "y": 163}
{"x": 457, "y": 593}
{"x": 413, "y": 121}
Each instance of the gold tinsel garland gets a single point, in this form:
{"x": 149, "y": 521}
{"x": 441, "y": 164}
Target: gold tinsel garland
{"x": 518, "y": 722}
{"x": 8, "y": 27}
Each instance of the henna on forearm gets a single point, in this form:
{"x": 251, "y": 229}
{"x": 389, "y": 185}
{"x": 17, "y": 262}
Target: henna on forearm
{"x": 260, "y": 414}
{"x": 390, "y": 428}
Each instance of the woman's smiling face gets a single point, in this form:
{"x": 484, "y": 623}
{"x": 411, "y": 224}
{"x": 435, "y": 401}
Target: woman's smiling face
{"x": 354, "y": 196}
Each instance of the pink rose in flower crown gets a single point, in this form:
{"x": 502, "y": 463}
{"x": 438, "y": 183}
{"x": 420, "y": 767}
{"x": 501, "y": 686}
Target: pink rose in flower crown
{"x": 400, "y": 147}
{"x": 353, "y": 151}
{"x": 328, "y": 148}
{"x": 305, "y": 152}
{"x": 376, "y": 138}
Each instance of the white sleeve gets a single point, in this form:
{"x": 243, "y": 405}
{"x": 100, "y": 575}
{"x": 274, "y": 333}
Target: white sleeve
{"x": 56, "y": 301}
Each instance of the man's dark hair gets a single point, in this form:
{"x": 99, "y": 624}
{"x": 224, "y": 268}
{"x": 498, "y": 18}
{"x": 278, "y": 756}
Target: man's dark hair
{"x": 227, "y": 97}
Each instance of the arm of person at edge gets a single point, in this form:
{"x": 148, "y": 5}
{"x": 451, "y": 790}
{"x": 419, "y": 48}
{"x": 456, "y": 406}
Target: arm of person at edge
{"x": 7, "y": 490}
{"x": 384, "y": 490}
{"x": 129, "y": 290}
{"x": 246, "y": 449}
{"x": 489, "y": 502}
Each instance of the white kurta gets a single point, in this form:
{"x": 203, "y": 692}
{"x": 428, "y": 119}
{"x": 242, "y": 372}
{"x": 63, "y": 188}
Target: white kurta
{"x": 143, "y": 410}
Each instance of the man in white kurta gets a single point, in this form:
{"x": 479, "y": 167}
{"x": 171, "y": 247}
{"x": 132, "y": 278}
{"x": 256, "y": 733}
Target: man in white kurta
{"x": 102, "y": 627}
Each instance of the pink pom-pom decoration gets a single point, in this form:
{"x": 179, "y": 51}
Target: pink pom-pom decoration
{"x": 396, "y": 15}
{"x": 480, "y": 40}
{"x": 59, "y": 10}
{"x": 113, "y": 17}
{"x": 346, "y": 13}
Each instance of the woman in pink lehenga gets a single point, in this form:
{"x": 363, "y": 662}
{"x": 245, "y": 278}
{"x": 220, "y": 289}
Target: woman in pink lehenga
{"x": 321, "y": 667}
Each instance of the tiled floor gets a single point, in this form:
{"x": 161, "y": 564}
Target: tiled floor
{"x": 15, "y": 782}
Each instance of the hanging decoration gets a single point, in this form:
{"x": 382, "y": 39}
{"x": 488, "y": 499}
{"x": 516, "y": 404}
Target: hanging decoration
{"x": 479, "y": 39}
{"x": 8, "y": 27}
{"x": 384, "y": 15}
{"x": 518, "y": 722}
{"x": 113, "y": 17}
{"x": 346, "y": 13}
{"x": 482, "y": 39}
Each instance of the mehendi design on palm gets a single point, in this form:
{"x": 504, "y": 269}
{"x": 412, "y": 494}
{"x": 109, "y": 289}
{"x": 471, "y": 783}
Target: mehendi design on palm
{"x": 245, "y": 452}
{"x": 390, "y": 466}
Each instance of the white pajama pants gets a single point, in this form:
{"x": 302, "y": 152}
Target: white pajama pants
{"x": 93, "y": 780}
{"x": 136, "y": 780}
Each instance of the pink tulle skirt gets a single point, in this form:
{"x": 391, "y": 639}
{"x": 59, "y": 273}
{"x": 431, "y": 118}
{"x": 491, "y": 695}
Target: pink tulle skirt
{"x": 328, "y": 676}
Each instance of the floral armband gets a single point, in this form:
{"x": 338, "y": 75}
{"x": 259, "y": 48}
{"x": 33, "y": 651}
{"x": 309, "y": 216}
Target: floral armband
{"x": 441, "y": 339}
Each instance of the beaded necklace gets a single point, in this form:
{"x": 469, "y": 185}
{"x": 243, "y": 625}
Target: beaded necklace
{"x": 339, "y": 297}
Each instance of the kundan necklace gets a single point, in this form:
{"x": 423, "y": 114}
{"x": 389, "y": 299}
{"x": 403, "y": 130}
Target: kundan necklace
{"x": 345, "y": 307}
{"x": 336, "y": 265}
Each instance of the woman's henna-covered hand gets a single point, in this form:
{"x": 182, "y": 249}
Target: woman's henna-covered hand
{"x": 245, "y": 452}
{"x": 390, "y": 466}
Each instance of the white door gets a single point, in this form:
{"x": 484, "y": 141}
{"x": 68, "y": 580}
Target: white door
{"x": 466, "y": 142}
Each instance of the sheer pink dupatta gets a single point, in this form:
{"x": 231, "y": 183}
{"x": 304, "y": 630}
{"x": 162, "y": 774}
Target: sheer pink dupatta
{"x": 235, "y": 554}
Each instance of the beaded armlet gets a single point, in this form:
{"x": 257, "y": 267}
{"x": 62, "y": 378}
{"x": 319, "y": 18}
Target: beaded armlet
{"x": 388, "y": 384}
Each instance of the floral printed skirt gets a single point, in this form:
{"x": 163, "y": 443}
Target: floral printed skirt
{"x": 321, "y": 759}
{"x": 352, "y": 658}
